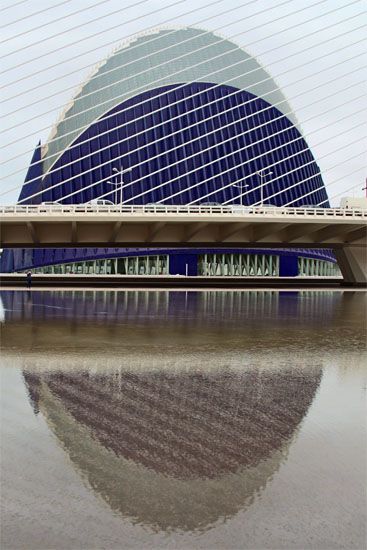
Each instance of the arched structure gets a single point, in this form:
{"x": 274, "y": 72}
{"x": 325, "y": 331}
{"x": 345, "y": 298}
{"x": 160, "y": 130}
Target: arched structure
{"x": 192, "y": 116}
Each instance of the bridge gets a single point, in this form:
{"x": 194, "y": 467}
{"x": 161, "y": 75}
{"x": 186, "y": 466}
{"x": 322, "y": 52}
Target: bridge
{"x": 85, "y": 225}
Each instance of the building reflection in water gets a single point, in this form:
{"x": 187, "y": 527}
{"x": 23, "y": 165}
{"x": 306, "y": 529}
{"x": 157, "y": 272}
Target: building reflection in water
{"x": 175, "y": 445}
{"x": 175, "y": 450}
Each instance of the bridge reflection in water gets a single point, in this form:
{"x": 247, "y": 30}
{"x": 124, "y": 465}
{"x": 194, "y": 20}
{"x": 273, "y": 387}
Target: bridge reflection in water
{"x": 191, "y": 307}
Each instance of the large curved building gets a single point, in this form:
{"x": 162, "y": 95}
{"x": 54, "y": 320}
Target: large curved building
{"x": 186, "y": 117}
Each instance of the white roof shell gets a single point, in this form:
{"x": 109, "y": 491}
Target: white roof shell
{"x": 152, "y": 60}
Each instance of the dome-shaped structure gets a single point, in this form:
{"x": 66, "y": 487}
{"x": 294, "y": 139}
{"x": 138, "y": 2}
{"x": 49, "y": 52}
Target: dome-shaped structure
{"x": 192, "y": 116}
{"x": 161, "y": 58}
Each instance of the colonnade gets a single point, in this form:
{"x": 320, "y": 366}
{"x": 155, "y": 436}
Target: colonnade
{"x": 214, "y": 264}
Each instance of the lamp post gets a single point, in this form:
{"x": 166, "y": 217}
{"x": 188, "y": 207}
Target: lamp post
{"x": 241, "y": 186}
{"x": 262, "y": 178}
{"x": 121, "y": 183}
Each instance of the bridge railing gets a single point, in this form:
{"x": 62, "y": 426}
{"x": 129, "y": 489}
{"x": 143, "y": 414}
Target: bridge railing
{"x": 229, "y": 210}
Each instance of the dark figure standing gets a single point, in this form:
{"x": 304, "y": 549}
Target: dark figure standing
{"x": 29, "y": 279}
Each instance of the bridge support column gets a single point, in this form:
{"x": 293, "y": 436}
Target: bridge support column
{"x": 352, "y": 261}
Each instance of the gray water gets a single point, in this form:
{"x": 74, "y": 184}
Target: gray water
{"x": 186, "y": 420}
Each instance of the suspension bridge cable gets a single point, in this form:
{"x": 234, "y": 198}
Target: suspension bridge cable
{"x": 268, "y": 166}
{"x": 219, "y": 113}
{"x": 100, "y": 2}
{"x": 132, "y": 47}
{"x": 13, "y": 5}
{"x": 132, "y": 35}
{"x": 225, "y": 156}
{"x": 207, "y": 149}
{"x": 187, "y": 173}
{"x": 209, "y": 74}
{"x": 242, "y": 178}
{"x": 315, "y": 175}
{"x": 86, "y": 38}
{"x": 208, "y": 118}
{"x": 82, "y": 97}
{"x": 331, "y": 183}
{"x": 346, "y": 190}
{"x": 150, "y": 69}
{"x": 333, "y": 94}
{"x": 240, "y": 196}
{"x": 311, "y": 177}
{"x": 243, "y": 104}
{"x": 239, "y": 180}
{"x": 32, "y": 15}
{"x": 125, "y": 39}
{"x": 278, "y": 178}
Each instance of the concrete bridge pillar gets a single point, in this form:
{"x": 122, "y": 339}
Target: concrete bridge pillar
{"x": 352, "y": 261}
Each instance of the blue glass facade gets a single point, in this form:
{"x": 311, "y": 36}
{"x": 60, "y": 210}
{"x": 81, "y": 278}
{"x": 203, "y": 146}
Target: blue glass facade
{"x": 189, "y": 143}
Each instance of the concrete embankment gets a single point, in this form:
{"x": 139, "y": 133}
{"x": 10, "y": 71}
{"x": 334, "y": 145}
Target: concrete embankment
{"x": 18, "y": 280}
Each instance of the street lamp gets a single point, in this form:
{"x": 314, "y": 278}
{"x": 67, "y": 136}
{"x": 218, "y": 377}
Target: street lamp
{"x": 241, "y": 186}
{"x": 121, "y": 184}
{"x": 262, "y": 178}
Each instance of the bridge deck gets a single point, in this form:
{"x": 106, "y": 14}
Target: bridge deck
{"x": 83, "y": 225}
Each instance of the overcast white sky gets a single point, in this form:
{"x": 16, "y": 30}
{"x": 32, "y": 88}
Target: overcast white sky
{"x": 258, "y": 34}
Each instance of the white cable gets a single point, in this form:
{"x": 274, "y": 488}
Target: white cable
{"x": 193, "y": 95}
{"x": 172, "y": 74}
{"x": 119, "y": 142}
{"x": 269, "y": 77}
{"x": 152, "y": 29}
{"x": 345, "y": 190}
{"x": 201, "y": 166}
{"x": 85, "y": 38}
{"x": 31, "y": 15}
{"x": 179, "y": 116}
{"x": 310, "y": 177}
{"x": 203, "y": 151}
{"x": 68, "y": 30}
{"x": 191, "y": 171}
{"x": 254, "y": 173}
{"x": 131, "y": 47}
{"x": 149, "y": 69}
{"x": 324, "y": 187}
{"x": 13, "y": 5}
{"x": 241, "y": 195}
{"x": 219, "y": 189}
{"x": 213, "y": 116}
{"x": 329, "y": 185}
{"x": 64, "y": 181}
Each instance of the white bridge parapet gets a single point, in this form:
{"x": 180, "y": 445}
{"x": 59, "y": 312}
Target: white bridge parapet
{"x": 235, "y": 211}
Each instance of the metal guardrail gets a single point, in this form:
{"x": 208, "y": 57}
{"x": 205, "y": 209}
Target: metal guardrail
{"x": 236, "y": 210}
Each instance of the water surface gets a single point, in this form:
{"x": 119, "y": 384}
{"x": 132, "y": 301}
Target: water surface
{"x": 157, "y": 419}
